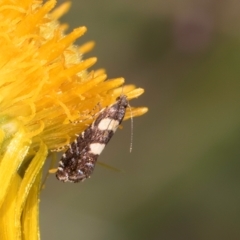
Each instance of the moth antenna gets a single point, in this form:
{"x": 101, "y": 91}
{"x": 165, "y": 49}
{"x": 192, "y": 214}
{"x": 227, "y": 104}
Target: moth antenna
{"x": 131, "y": 138}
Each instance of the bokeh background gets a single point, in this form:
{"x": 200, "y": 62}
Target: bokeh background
{"x": 182, "y": 179}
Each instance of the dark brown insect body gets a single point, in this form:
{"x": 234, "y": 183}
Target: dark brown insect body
{"x": 78, "y": 162}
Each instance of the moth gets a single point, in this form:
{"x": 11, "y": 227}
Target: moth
{"x": 78, "y": 162}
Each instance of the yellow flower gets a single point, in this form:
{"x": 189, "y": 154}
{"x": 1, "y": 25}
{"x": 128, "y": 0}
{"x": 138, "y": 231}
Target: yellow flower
{"x": 44, "y": 88}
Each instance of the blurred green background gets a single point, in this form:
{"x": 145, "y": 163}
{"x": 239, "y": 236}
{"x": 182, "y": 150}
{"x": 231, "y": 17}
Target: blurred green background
{"x": 182, "y": 179}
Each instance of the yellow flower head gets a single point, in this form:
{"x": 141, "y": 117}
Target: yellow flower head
{"x": 44, "y": 89}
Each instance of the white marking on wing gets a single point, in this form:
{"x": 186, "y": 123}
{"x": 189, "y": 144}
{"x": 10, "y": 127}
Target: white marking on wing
{"x": 89, "y": 164}
{"x": 96, "y": 148}
{"x": 108, "y": 124}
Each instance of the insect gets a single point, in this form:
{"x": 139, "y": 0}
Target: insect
{"x": 78, "y": 162}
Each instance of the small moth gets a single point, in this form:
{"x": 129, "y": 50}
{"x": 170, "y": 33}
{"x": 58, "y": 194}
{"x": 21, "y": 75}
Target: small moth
{"x": 78, "y": 162}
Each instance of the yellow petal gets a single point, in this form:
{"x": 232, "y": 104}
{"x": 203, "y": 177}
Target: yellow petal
{"x": 13, "y": 156}
{"x": 31, "y": 212}
{"x": 8, "y": 228}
